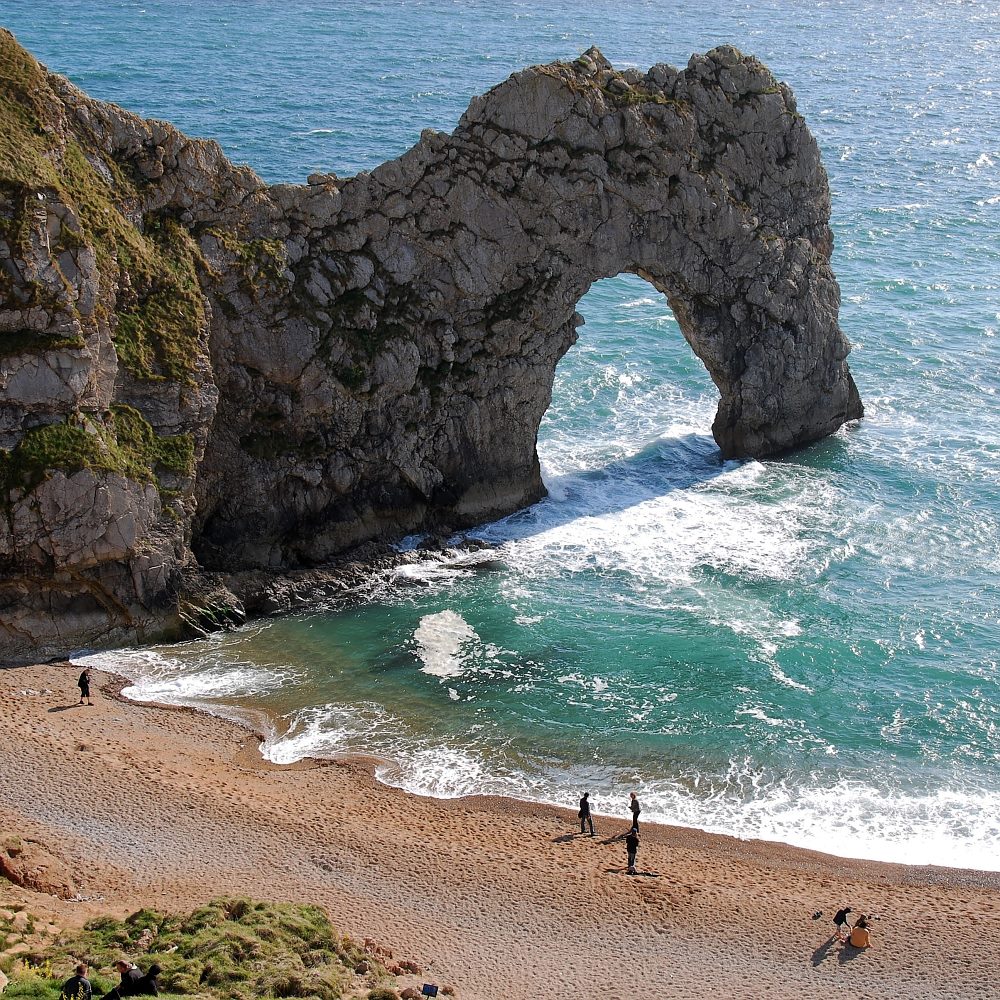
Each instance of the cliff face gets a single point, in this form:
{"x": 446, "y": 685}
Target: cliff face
{"x": 200, "y": 370}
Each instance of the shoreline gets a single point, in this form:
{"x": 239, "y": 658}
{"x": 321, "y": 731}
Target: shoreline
{"x": 928, "y": 874}
{"x": 168, "y": 806}
{"x": 243, "y": 719}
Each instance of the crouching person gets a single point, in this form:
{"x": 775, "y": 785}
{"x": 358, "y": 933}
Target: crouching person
{"x": 134, "y": 982}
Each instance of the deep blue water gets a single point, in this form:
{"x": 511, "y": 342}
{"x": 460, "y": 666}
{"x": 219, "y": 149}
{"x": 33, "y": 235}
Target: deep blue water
{"x": 802, "y": 649}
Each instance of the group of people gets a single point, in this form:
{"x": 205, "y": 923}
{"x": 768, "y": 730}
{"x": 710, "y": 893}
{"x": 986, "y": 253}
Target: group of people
{"x": 858, "y": 934}
{"x": 631, "y": 838}
{"x": 134, "y": 983}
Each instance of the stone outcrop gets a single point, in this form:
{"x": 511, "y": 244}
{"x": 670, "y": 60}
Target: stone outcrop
{"x": 201, "y": 372}
{"x": 31, "y": 865}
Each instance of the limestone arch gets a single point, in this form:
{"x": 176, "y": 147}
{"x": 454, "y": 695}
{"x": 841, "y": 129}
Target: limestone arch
{"x": 432, "y": 299}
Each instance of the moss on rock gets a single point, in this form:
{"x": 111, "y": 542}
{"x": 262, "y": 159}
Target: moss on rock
{"x": 153, "y": 270}
{"x": 125, "y": 444}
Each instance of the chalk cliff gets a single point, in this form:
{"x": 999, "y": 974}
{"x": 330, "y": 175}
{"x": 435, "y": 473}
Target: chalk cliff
{"x": 199, "y": 372}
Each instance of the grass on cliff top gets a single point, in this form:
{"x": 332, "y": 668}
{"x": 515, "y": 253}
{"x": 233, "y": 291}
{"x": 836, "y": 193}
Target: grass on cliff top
{"x": 161, "y": 310}
{"x": 230, "y": 949}
{"x": 23, "y": 139}
{"x": 127, "y": 445}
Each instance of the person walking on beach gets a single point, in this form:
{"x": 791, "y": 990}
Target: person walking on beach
{"x": 584, "y": 813}
{"x": 840, "y": 922}
{"x": 636, "y": 809}
{"x": 84, "y": 685}
{"x": 632, "y": 847}
{"x": 77, "y": 987}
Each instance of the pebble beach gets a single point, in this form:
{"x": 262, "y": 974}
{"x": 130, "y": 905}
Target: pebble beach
{"x": 166, "y": 807}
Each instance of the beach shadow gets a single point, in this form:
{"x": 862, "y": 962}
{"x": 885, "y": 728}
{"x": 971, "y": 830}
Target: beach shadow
{"x": 824, "y": 950}
{"x": 638, "y": 874}
{"x": 65, "y": 708}
{"x": 848, "y": 953}
{"x": 565, "y": 838}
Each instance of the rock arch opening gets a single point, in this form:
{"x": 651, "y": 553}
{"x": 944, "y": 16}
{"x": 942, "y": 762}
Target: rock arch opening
{"x": 629, "y": 380}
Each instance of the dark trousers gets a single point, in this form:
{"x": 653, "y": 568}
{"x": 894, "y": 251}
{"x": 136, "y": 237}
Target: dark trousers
{"x": 587, "y": 819}
{"x": 631, "y": 859}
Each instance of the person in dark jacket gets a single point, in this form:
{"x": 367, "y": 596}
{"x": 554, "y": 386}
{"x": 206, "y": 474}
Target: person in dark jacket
{"x": 840, "y": 922}
{"x": 636, "y": 809}
{"x": 84, "y": 685}
{"x": 77, "y": 987}
{"x": 632, "y": 846}
{"x": 584, "y": 813}
{"x": 133, "y": 983}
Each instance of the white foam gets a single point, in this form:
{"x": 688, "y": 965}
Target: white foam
{"x": 428, "y": 573}
{"x": 440, "y": 639}
{"x": 789, "y": 628}
{"x": 327, "y": 731}
{"x": 846, "y": 818}
{"x": 782, "y": 678}
{"x": 755, "y": 712}
{"x": 207, "y": 682}
{"x": 849, "y": 818}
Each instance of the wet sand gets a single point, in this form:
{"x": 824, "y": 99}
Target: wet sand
{"x": 167, "y": 807}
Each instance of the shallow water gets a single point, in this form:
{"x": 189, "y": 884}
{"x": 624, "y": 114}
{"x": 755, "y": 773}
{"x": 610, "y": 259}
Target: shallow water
{"x": 803, "y": 649}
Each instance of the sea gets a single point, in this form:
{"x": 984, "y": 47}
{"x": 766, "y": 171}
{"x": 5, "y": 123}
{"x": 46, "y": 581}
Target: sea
{"x": 803, "y": 649}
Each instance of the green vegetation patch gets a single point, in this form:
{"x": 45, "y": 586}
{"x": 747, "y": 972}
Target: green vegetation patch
{"x": 235, "y": 949}
{"x": 127, "y": 444}
{"x": 25, "y": 141}
{"x": 161, "y": 309}
{"x": 160, "y": 305}
{"x": 261, "y": 260}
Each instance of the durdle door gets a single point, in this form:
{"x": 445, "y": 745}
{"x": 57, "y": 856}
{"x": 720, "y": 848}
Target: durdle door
{"x": 201, "y": 372}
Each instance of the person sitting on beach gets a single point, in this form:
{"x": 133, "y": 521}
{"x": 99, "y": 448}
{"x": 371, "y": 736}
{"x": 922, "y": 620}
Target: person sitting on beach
{"x": 860, "y": 935}
{"x": 840, "y": 922}
{"x": 632, "y": 847}
{"x": 133, "y": 983}
{"x": 77, "y": 987}
{"x": 584, "y": 813}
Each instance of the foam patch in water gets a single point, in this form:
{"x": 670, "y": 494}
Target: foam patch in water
{"x": 440, "y": 640}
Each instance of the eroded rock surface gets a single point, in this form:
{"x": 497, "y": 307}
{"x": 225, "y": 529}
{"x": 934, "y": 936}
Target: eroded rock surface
{"x": 200, "y": 372}
{"x": 31, "y": 865}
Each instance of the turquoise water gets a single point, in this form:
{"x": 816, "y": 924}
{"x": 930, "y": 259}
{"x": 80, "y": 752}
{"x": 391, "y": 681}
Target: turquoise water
{"x": 803, "y": 649}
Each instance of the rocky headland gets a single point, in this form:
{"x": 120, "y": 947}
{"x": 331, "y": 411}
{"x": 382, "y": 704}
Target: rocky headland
{"x": 206, "y": 380}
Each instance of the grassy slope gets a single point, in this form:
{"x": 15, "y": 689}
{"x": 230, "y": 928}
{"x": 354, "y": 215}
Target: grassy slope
{"x": 235, "y": 949}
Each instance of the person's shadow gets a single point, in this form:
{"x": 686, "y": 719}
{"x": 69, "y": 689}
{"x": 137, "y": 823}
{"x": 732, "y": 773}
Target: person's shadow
{"x": 823, "y": 950}
{"x": 565, "y": 838}
{"x": 638, "y": 874}
{"x": 65, "y": 708}
{"x": 848, "y": 953}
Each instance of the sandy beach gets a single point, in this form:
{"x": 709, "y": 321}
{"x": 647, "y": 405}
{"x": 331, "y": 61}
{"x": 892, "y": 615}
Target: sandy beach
{"x": 166, "y": 807}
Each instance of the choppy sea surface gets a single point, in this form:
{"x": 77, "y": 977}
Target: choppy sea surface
{"x": 803, "y": 649}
